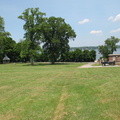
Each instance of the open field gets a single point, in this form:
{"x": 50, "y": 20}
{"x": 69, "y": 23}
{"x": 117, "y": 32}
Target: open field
{"x": 59, "y": 92}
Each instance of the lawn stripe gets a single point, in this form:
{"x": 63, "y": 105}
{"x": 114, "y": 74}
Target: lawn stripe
{"x": 59, "y": 112}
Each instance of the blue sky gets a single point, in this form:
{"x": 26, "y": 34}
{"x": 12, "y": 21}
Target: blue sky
{"x": 93, "y": 20}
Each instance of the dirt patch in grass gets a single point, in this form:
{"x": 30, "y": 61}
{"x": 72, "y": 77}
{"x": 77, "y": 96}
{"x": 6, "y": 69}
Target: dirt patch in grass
{"x": 113, "y": 116}
{"x": 4, "y": 87}
{"x": 59, "y": 112}
{"x": 8, "y": 116}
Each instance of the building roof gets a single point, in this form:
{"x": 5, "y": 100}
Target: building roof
{"x": 6, "y": 58}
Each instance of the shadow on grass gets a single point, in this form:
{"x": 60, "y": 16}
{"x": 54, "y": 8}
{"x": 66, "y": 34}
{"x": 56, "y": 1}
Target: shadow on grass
{"x": 45, "y": 63}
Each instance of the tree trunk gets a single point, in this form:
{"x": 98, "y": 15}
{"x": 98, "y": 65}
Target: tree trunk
{"x": 52, "y": 62}
{"x": 32, "y": 61}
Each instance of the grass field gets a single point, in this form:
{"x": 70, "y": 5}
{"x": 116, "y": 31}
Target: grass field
{"x": 59, "y": 92}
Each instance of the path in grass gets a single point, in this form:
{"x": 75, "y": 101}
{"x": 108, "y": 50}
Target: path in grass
{"x": 91, "y": 65}
{"x": 59, "y": 112}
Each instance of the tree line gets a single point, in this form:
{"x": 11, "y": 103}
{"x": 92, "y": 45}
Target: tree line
{"x": 73, "y": 56}
{"x": 14, "y": 51}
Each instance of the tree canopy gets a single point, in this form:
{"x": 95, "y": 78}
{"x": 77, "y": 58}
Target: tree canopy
{"x": 4, "y": 36}
{"x": 111, "y": 43}
{"x": 56, "y": 36}
{"x": 109, "y": 47}
{"x": 33, "y": 19}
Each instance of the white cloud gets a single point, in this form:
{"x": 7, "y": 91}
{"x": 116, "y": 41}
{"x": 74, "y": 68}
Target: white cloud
{"x": 111, "y": 18}
{"x": 96, "y": 32}
{"x": 114, "y": 31}
{"x": 84, "y": 21}
{"x": 114, "y": 19}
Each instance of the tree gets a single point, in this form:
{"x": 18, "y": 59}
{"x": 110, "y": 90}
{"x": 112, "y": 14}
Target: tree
{"x": 86, "y": 55}
{"x": 109, "y": 47}
{"x": 92, "y": 55}
{"x": 56, "y": 35}
{"x": 78, "y": 55}
{"x": 42, "y": 56}
{"x": 27, "y": 53}
{"x": 1, "y": 25}
{"x": 104, "y": 51}
{"x": 111, "y": 43}
{"x": 9, "y": 45}
{"x": 3, "y": 36}
{"x": 71, "y": 56}
{"x": 33, "y": 19}
{"x": 16, "y": 52}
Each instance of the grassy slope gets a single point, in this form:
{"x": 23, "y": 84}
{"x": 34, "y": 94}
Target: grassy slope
{"x": 59, "y": 92}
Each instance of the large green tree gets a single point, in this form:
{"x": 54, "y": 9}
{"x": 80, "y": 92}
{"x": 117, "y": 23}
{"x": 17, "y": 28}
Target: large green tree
{"x": 33, "y": 19}
{"x": 104, "y": 51}
{"x": 56, "y": 35}
{"x": 111, "y": 43}
{"x": 109, "y": 47}
{"x": 3, "y": 38}
{"x": 9, "y": 45}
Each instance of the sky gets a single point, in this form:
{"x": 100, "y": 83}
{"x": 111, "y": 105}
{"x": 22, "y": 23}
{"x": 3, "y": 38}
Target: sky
{"x": 92, "y": 20}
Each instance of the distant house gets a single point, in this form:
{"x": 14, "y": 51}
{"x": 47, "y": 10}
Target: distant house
{"x": 114, "y": 57}
{"x": 6, "y": 59}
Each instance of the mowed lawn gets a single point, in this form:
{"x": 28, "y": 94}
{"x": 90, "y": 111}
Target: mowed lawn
{"x": 59, "y": 92}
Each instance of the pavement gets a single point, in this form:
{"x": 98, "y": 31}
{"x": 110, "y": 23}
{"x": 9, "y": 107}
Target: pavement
{"x": 89, "y": 65}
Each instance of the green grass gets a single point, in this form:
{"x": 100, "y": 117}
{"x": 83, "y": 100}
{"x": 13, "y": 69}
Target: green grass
{"x": 59, "y": 92}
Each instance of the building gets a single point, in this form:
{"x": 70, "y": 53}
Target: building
{"x": 6, "y": 59}
{"x": 114, "y": 57}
